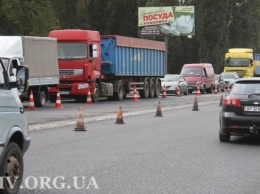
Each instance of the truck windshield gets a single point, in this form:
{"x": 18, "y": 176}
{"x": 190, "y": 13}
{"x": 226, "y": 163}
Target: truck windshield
{"x": 72, "y": 50}
{"x": 237, "y": 62}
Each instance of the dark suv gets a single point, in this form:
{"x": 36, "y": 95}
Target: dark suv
{"x": 240, "y": 113}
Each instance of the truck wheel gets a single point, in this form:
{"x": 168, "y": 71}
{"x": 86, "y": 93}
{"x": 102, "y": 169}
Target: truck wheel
{"x": 151, "y": 89}
{"x": 95, "y": 96}
{"x": 120, "y": 94}
{"x": 12, "y": 166}
{"x": 145, "y": 92}
{"x": 40, "y": 99}
{"x": 157, "y": 88}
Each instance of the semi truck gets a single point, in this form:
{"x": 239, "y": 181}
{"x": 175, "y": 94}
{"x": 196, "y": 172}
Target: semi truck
{"x": 40, "y": 55}
{"x": 108, "y": 66}
{"x": 241, "y": 60}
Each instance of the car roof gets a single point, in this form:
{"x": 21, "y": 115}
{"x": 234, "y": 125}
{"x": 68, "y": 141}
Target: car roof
{"x": 252, "y": 79}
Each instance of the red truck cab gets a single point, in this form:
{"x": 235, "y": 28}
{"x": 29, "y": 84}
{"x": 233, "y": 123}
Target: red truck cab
{"x": 78, "y": 71}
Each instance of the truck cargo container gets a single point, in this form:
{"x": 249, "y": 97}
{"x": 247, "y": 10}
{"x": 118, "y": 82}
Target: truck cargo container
{"x": 40, "y": 55}
{"x": 108, "y": 65}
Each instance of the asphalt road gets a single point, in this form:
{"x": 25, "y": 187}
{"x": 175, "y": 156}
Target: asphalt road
{"x": 177, "y": 153}
{"x": 49, "y": 117}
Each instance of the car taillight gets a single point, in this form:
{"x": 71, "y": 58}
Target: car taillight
{"x": 232, "y": 102}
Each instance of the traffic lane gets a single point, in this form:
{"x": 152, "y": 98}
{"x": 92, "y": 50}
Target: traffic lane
{"x": 50, "y": 115}
{"x": 177, "y": 153}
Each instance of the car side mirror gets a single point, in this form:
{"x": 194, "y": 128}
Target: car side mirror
{"x": 22, "y": 78}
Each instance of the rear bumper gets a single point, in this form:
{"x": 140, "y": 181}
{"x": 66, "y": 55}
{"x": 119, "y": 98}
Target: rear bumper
{"x": 239, "y": 125}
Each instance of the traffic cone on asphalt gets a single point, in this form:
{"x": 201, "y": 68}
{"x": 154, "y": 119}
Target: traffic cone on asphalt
{"x": 31, "y": 102}
{"x": 195, "y": 104}
{"x": 164, "y": 92}
{"x": 221, "y": 100}
{"x": 119, "y": 118}
{"x": 198, "y": 91}
{"x": 159, "y": 110}
{"x": 58, "y": 100}
{"x": 178, "y": 94}
{"x": 80, "y": 123}
{"x": 89, "y": 101}
{"x": 216, "y": 90}
{"x": 135, "y": 97}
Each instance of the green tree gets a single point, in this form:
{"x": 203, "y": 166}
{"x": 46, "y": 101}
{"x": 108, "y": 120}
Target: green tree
{"x": 27, "y": 17}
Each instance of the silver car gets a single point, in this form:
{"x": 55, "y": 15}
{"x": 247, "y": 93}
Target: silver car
{"x": 230, "y": 78}
{"x": 171, "y": 83}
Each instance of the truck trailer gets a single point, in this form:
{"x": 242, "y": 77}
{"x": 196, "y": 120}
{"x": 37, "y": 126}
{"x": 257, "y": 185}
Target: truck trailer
{"x": 40, "y": 55}
{"x": 108, "y": 65}
{"x": 241, "y": 60}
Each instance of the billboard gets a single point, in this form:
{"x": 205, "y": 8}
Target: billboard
{"x": 170, "y": 21}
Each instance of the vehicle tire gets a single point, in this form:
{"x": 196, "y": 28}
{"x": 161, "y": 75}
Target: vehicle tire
{"x": 157, "y": 91}
{"x": 186, "y": 92}
{"x": 145, "y": 92}
{"x": 190, "y": 91}
{"x": 52, "y": 98}
{"x": 40, "y": 99}
{"x": 224, "y": 137}
{"x": 151, "y": 89}
{"x": 119, "y": 95}
{"x": 203, "y": 91}
{"x": 12, "y": 166}
{"x": 210, "y": 90}
{"x": 95, "y": 96}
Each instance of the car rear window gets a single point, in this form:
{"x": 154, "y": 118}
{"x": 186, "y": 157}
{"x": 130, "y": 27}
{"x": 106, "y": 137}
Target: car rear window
{"x": 246, "y": 88}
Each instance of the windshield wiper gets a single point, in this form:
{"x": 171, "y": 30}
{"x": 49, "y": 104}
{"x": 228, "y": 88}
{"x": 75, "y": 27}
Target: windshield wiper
{"x": 255, "y": 94}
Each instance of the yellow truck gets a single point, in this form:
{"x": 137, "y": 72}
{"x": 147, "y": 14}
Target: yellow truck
{"x": 243, "y": 61}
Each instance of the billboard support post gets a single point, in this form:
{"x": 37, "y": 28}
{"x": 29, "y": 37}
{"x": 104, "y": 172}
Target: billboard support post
{"x": 166, "y": 38}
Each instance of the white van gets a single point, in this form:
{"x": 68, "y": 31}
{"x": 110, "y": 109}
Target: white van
{"x": 14, "y": 139}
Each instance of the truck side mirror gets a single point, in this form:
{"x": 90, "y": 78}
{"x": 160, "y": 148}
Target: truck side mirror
{"x": 22, "y": 78}
{"x": 95, "y": 52}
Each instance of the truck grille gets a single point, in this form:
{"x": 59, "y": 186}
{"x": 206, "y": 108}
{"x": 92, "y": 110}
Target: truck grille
{"x": 70, "y": 72}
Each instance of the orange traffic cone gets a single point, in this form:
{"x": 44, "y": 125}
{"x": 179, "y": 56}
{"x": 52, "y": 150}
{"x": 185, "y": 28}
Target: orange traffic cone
{"x": 195, "y": 104}
{"x": 164, "y": 92}
{"x": 228, "y": 88}
{"x": 80, "y": 123}
{"x": 216, "y": 90}
{"x": 198, "y": 91}
{"x": 178, "y": 94}
{"x": 135, "y": 97}
{"x": 31, "y": 102}
{"x": 58, "y": 100}
{"x": 159, "y": 110}
{"x": 89, "y": 102}
{"x": 119, "y": 119}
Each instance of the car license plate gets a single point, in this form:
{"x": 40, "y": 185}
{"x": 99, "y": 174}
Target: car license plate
{"x": 64, "y": 92}
{"x": 252, "y": 108}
